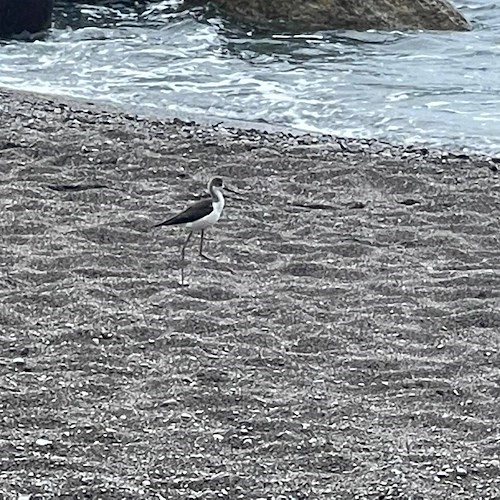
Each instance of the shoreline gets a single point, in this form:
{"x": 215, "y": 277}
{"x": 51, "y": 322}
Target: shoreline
{"x": 140, "y": 114}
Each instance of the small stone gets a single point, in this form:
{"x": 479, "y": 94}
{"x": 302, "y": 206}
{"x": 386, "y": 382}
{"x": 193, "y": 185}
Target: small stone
{"x": 43, "y": 443}
{"x": 169, "y": 402}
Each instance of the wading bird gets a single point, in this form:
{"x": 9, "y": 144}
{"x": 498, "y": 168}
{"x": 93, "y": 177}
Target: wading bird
{"x": 199, "y": 216}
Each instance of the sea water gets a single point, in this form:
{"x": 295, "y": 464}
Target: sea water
{"x": 436, "y": 88}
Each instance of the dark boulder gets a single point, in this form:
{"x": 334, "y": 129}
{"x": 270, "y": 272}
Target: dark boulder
{"x": 348, "y": 14}
{"x": 18, "y": 17}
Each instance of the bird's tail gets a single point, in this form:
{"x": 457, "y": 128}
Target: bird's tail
{"x": 167, "y": 222}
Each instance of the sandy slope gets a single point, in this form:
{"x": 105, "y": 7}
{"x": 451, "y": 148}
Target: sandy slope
{"x": 346, "y": 344}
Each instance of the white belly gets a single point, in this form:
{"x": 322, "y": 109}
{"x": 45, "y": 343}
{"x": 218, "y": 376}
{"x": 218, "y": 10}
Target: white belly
{"x": 208, "y": 220}
{"x": 203, "y": 223}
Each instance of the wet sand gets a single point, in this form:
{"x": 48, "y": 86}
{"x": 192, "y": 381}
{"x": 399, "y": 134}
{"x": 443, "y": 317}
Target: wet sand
{"x": 344, "y": 345}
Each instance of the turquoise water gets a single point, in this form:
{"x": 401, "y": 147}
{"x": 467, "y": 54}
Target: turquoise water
{"x": 427, "y": 87}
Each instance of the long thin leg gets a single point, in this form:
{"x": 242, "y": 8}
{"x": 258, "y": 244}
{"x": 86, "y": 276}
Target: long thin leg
{"x": 201, "y": 248}
{"x": 183, "y": 251}
{"x": 201, "y": 242}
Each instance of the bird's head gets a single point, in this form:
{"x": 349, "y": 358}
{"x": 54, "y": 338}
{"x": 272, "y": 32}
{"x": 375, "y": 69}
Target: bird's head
{"x": 216, "y": 183}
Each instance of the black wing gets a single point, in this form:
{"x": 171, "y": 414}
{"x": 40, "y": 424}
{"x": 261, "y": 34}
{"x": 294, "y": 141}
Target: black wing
{"x": 194, "y": 212}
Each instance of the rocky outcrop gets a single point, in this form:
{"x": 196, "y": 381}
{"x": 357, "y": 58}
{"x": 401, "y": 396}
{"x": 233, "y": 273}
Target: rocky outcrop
{"x": 24, "y": 16}
{"x": 349, "y": 14}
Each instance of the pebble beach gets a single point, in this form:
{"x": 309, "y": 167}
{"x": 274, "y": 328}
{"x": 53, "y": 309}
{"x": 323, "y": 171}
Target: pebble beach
{"x": 343, "y": 345}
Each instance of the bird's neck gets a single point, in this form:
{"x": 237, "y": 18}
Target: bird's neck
{"x": 217, "y": 197}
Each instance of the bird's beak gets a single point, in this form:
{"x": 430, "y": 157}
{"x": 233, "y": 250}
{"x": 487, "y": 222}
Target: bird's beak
{"x": 235, "y": 195}
{"x": 226, "y": 188}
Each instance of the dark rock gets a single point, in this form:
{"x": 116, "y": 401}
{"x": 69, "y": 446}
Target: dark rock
{"x": 24, "y": 16}
{"x": 349, "y": 14}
